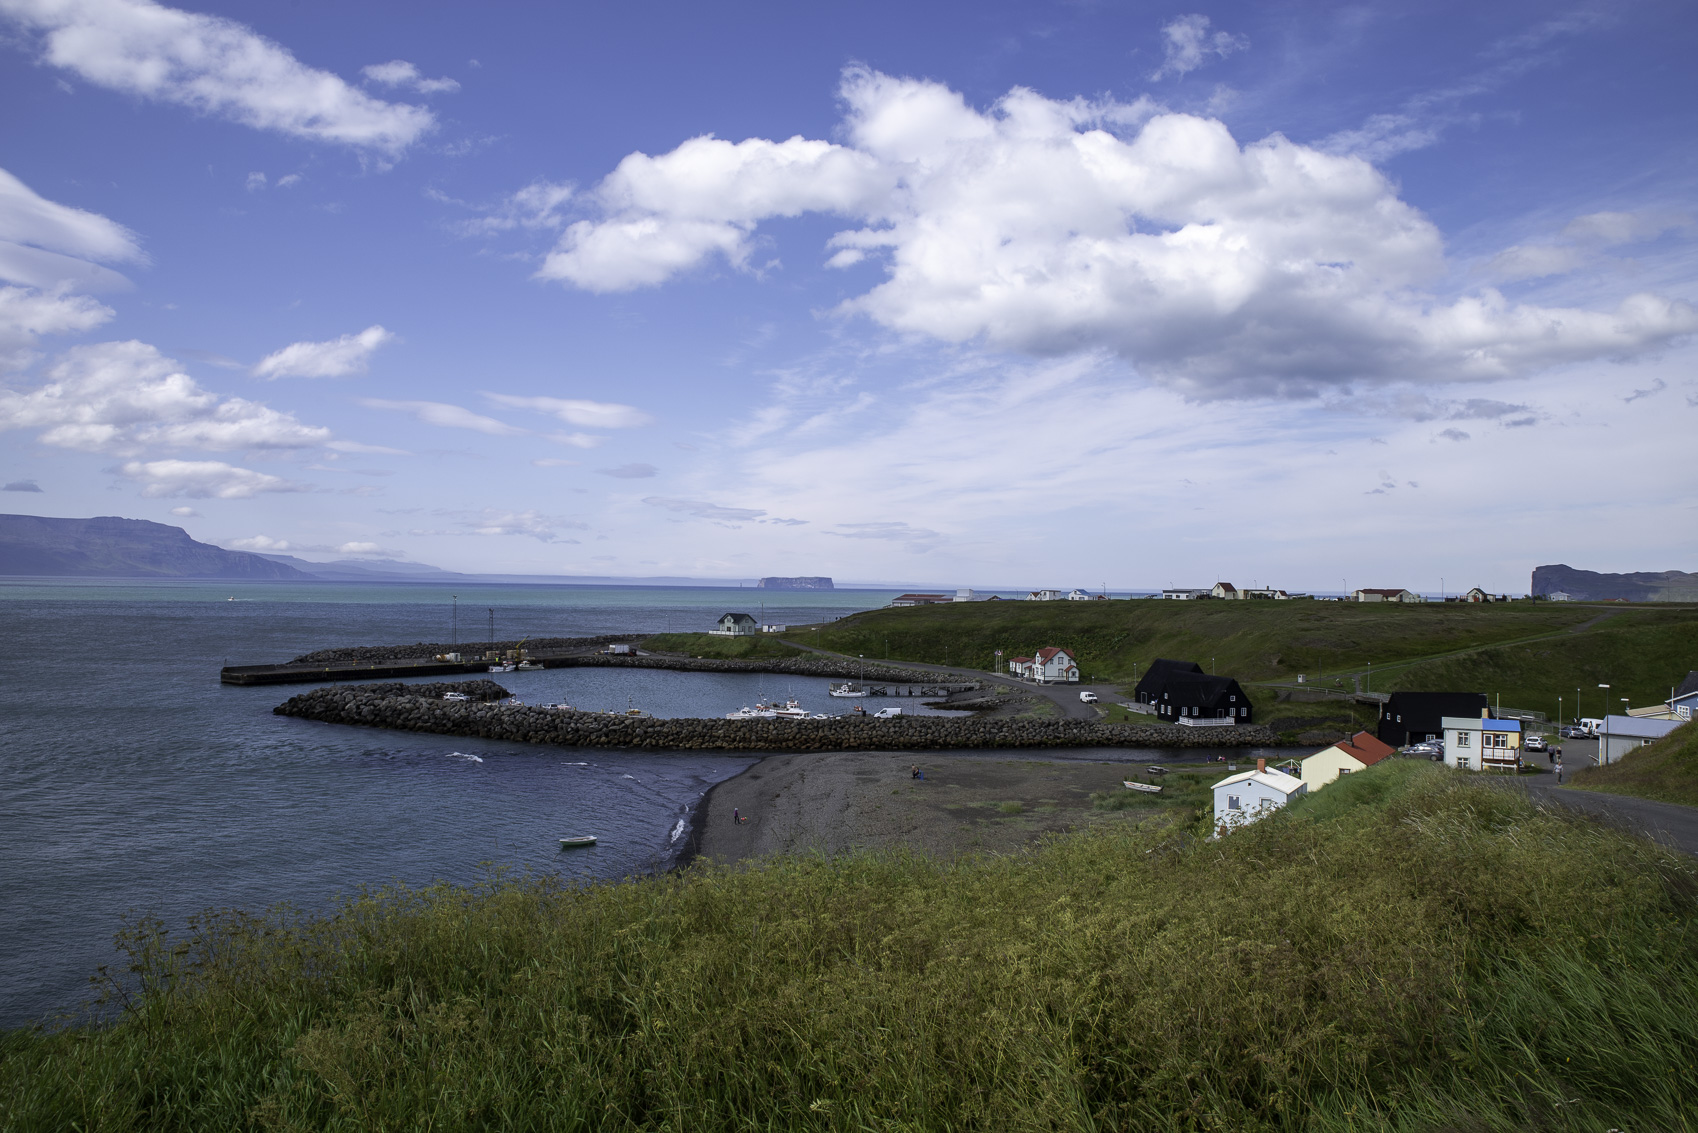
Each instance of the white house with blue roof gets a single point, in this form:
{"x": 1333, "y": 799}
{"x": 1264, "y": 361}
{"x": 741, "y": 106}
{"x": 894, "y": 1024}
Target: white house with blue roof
{"x": 1482, "y": 745}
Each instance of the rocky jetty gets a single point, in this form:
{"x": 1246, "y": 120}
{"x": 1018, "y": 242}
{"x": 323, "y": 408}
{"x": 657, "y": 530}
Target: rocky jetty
{"x": 415, "y": 709}
{"x": 361, "y": 654}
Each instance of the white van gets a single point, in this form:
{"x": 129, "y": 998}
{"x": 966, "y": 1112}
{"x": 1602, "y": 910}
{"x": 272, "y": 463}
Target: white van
{"x": 1088, "y": 697}
{"x": 1591, "y": 724}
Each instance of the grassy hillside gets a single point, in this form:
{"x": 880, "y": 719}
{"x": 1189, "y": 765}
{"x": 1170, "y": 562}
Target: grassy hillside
{"x": 757, "y": 647}
{"x": 1410, "y": 951}
{"x": 1666, "y": 771}
{"x": 1638, "y": 650}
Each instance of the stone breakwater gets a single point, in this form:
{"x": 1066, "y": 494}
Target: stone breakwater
{"x": 364, "y": 654}
{"x": 409, "y": 708}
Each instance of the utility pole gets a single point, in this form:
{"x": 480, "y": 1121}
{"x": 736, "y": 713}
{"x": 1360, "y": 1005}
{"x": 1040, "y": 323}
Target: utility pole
{"x": 492, "y": 628}
{"x": 455, "y": 632}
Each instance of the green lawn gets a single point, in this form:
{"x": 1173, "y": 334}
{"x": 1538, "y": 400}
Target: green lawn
{"x": 1638, "y": 650}
{"x": 1410, "y": 950}
{"x": 1666, "y": 771}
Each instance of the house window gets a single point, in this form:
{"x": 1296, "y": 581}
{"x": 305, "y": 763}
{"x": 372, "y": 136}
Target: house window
{"x": 1232, "y": 803}
{"x": 1464, "y": 739}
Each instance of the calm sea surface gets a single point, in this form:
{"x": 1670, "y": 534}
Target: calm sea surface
{"x": 134, "y": 782}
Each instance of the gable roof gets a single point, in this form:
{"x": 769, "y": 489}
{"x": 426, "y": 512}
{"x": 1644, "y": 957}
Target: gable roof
{"x": 1278, "y": 780}
{"x": 740, "y": 619}
{"x": 1155, "y": 679}
{"x": 1049, "y": 651}
{"x": 1365, "y": 748}
{"x": 1689, "y": 685}
{"x": 1382, "y": 590}
{"x": 1199, "y": 690}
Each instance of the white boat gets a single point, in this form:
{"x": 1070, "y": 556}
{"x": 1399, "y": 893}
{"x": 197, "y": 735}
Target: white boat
{"x": 847, "y": 689}
{"x": 791, "y": 711}
{"x": 529, "y": 666}
{"x": 758, "y": 712}
{"x": 562, "y": 706}
{"x": 507, "y": 668}
{"x": 1150, "y": 787}
{"x": 577, "y": 840}
{"x": 455, "y": 696}
{"x": 632, "y": 714}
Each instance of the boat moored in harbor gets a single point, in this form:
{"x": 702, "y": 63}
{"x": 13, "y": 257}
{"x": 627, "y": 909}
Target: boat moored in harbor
{"x": 577, "y": 841}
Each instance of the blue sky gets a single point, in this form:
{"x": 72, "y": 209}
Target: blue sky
{"x": 1073, "y": 294}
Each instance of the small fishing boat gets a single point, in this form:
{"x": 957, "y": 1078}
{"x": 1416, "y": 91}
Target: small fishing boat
{"x": 507, "y": 668}
{"x": 529, "y": 666}
{"x": 792, "y": 710}
{"x": 1150, "y": 787}
{"x": 577, "y": 841}
{"x": 847, "y": 689}
{"x": 562, "y": 706}
{"x": 758, "y": 712}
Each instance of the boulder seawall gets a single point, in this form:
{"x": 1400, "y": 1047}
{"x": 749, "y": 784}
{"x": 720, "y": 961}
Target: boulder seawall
{"x": 419, "y": 708}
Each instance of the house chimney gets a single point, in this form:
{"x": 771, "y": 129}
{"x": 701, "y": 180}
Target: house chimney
{"x": 1261, "y": 765}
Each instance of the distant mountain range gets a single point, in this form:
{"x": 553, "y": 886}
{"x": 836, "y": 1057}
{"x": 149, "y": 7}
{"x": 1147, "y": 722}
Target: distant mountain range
{"x": 110, "y": 547}
{"x": 1645, "y": 586}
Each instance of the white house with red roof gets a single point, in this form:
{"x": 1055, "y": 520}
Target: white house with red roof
{"x": 1052, "y": 665}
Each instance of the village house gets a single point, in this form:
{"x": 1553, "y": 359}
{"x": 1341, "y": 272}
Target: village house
{"x": 737, "y": 625}
{"x": 1078, "y": 596}
{"x": 1482, "y": 744}
{"x": 1150, "y": 685}
{"x": 1243, "y": 798}
{"x": 1199, "y": 700}
{"x": 1354, "y": 754}
{"x": 1383, "y": 595}
{"x": 1044, "y": 596}
{"x": 1683, "y": 702}
{"x": 1185, "y": 595}
{"x": 921, "y": 599}
{"x": 1224, "y": 590}
{"x": 1623, "y": 735}
{"x": 1415, "y": 717}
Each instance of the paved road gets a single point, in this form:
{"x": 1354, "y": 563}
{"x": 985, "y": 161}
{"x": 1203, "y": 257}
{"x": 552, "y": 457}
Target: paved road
{"x": 1667, "y": 823}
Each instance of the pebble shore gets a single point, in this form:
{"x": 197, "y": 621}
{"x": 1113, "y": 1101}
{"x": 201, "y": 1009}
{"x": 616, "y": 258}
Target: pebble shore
{"x": 420, "y": 708}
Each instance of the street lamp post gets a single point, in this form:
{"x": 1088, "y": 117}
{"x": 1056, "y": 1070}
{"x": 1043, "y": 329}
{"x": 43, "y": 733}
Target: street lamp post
{"x": 454, "y": 638}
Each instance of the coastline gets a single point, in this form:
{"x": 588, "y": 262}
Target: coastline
{"x": 839, "y": 802}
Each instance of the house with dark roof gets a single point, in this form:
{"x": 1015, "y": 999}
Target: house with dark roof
{"x": 921, "y": 599}
{"x": 1199, "y": 700}
{"x": 1683, "y": 705}
{"x": 737, "y": 625}
{"x": 1414, "y": 717}
{"x": 1151, "y": 683}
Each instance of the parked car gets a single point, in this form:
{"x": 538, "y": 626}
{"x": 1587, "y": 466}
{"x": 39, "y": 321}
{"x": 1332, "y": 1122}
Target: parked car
{"x": 1088, "y": 697}
{"x": 1574, "y": 732}
{"x": 1535, "y": 743}
{"x": 1426, "y": 747}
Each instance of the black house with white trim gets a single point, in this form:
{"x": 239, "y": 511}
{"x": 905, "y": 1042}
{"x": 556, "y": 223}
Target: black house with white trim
{"x": 1150, "y": 687}
{"x": 1412, "y": 717}
{"x": 1198, "y": 696}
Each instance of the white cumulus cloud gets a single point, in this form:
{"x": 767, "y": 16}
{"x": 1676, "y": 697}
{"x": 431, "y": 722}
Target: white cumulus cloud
{"x": 215, "y": 66}
{"x": 339, "y": 357}
{"x": 204, "y": 479}
{"x": 400, "y": 73}
{"x": 126, "y": 397}
{"x": 589, "y": 414}
{"x": 26, "y": 314}
{"x": 1050, "y": 227}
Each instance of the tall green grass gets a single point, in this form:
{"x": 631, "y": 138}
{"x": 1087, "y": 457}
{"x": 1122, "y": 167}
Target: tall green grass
{"x": 1420, "y": 954}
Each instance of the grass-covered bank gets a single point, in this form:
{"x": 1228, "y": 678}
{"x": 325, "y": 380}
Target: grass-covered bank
{"x": 1666, "y": 771}
{"x": 755, "y": 647}
{"x": 1526, "y": 653}
{"x": 1407, "y": 950}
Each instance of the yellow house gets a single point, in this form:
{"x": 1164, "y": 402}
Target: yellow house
{"x": 1359, "y": 751}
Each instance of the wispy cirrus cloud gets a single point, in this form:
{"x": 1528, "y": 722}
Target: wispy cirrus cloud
{"x": 400, "y": 73}
{"x": 335, "y": 358}
{"x": 1188, "y": 44}
{"x": 701, "y": 509}
{"x": 445, "y": 415}
{"x": 212, "y": 65}
{"x": 630, "y": 471}
{"x": 573, "y": 411}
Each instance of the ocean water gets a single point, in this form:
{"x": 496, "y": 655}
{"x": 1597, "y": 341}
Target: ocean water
{"x": 132, "y": 782}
